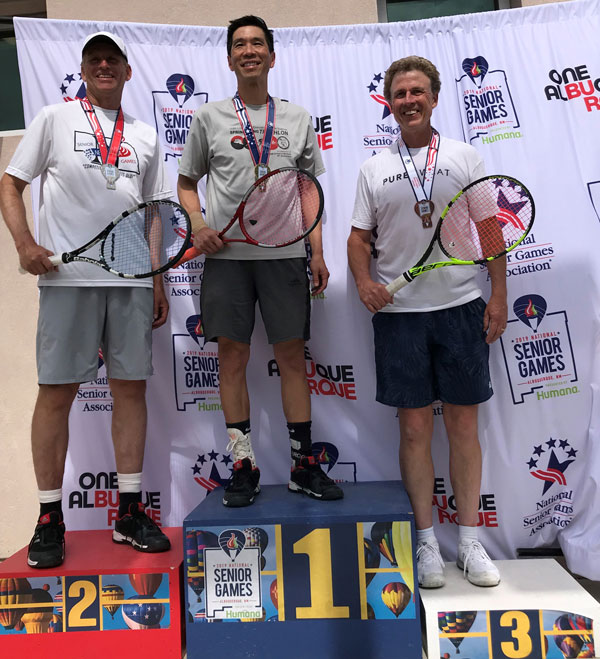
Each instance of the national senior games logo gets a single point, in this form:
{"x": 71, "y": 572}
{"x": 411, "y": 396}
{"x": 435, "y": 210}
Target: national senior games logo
{"x": 488, "y": 111}
{"x": 386, "y": 130}
{"x": 72, "y": 87}
{"x": 174, "y": 109}
{"x": 538, "y": 352}
{"x": 212, "y": 470}
{"x": 195, "y": 369}
{"x": 574, "y": 84}
{"x": 548, "y": 463}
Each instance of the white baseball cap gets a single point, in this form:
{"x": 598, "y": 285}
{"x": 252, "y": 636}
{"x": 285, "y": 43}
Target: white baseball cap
{"x": 105, "y": 36}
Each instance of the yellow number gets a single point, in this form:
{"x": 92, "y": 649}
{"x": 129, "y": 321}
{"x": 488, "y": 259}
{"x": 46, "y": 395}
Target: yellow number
{"x": 519, "y": 633}
{"x": 317, "y": 544}
{"x": 89, "y": 595}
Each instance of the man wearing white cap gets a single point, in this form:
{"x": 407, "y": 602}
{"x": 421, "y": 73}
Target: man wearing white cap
{"x": 94, "y": 161}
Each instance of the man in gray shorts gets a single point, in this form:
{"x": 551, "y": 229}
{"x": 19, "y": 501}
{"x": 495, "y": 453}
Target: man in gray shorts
{"x": 82, "y": 307}
{"x": 225, "y": 143}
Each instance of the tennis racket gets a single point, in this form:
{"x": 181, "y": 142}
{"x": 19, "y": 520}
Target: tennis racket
{"x": 484, "y": 221}
{"x": 142, "y": 242}
{"x": 278, "y": 209}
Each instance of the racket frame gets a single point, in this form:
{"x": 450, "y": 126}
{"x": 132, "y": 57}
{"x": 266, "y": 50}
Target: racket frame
{"x": 419, "y": 267}
{"x": 239, "y": 213}
{"x": 74, "y": 255}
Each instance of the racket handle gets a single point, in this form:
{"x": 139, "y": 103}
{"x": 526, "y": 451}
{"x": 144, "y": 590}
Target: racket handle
{"x": 397, "y": 284}
{"x": 188, "y": 255}
{"x": 55, "y": 259}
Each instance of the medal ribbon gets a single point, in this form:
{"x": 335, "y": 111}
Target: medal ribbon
{"x": 262, "y": 157}
{"x": 108, "y": 157}
{"x": 422, "y": 190}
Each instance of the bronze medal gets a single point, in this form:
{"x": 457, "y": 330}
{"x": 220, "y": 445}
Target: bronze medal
{"x": 424, "y": 209}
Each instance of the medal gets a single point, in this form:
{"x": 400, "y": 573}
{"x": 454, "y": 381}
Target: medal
{"x": 111, "y": 174}
{"x": 424, "y": 209}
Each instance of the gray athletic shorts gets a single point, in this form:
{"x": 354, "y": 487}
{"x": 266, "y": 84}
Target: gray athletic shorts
{"x": 231, "y": 288}
{"x": 74, "y": 322}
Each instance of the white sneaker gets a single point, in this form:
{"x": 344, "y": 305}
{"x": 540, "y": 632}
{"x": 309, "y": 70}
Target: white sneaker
{"x": 476, "y": 564}
{"x": 430, "y": 565}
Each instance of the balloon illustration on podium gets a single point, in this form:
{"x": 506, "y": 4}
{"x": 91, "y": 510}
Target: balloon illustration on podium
{"x": 111, "y": 594}
{"x": 456, "y": 622}
{"x": 13, "y": 591}
{"x": 145, "y": 615}
{"x": 37, "y": 618}
{"x": 578, "y": 644}
{"x": 396, "y": 597}
{"x": 195, "y": 542}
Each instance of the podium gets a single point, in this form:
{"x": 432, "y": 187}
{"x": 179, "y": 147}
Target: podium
{"x": 293, "y": 577}
{"x": 105, "y": 600}
{"x": 537, "y": 611}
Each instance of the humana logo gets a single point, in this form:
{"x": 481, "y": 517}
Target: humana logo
{"x": 500, "y": 136}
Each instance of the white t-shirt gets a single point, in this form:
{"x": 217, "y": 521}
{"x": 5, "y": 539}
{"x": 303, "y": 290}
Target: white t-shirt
{"x": 75, "y": 205}
{"x": 215, "y": 146}
{"x": 385, "y": 201}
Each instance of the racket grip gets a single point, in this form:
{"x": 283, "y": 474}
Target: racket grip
{"x": 397, "y": 284}
{"x": 56, "y": 259}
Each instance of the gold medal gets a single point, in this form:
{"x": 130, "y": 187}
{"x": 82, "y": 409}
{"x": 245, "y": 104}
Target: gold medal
{"x": 424, "y": 209}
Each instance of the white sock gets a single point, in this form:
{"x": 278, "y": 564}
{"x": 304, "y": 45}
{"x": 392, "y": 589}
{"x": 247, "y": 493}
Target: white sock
{"x": 49, "y": 496}
{"x": 426, "y": 535}
{"x": 467, "y": 534}
{"x": 130, "y": 482}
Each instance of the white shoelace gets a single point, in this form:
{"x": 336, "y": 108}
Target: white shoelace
{"x": 239, "y": 445}
{"x": 476, "y": 552}
{"x": 429, "y": 553}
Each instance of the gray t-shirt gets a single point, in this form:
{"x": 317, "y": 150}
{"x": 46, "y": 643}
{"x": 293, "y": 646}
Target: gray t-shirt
{"x": 216, "y": 147}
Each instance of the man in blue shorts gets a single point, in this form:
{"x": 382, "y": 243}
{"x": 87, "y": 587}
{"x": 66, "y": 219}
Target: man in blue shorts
{"x": 233, "y": 142}
{"x": 432, "y": 338}
{"x": 84, "y": 185}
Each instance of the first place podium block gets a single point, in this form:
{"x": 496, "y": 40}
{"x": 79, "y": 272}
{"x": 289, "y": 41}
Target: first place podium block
{"x": 105, "y": 600}
{"x": 297, "y": 578}
{"x": 537, "y": 611}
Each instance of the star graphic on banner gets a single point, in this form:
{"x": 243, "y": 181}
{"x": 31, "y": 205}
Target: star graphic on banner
{"x": 514, "y": 207}
{"x": 70, "y": 77}
{"x": 572, "y": 453}
{"x": 63, "y": 89}
{"x": 226, "y": 459}
{"x": 213, "y": 456}
{"x": 372, "y": 87}
{"x": 564, "y": 443}
{"x": 201, "y": 459}
{"x": 378, "y": 77}
{"x": 532, "y": 463}
{"x": 551, "y": 443}
{"x": 555, "y": 465}
{"x": 538, "y": 450}
{"x": 196, "y": 469}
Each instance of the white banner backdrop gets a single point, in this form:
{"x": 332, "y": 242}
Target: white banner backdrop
{"x": 522, "y": 86}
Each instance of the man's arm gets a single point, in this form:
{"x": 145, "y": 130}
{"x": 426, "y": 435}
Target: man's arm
{"x": 205, "y": 239}
{"x": 496, "y": 311}
{"x": 372, "y": 294}
{"x": 320, "y": 273}
{"x": 32, "y": 257}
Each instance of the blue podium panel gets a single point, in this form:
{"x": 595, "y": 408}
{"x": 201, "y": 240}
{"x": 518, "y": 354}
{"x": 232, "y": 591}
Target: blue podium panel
{"x": 333, "y": 578}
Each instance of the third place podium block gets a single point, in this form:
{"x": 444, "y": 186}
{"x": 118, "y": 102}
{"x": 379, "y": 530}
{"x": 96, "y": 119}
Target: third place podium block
{"x": 297, "y": 578}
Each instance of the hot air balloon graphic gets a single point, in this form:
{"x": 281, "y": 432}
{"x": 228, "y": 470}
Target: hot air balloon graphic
{"x": 402, "y": 546}
{"x": 196, "y": 541}
{"x": 13, "y": 591}
{"x": 181, "y": 87}
{"x": 143, "y": 616}
{"x": 456, "y": 622}
{"x": 577, "y": 644}
{"x": 145, "y": 584}
{"x": 530, "y": 310}
{"x": 256, "y": 537}
{"x": 196, "y": 583}
{"x": 112, "y": 596}
{"x": 274, "y": 594}
{"x": 372, "y": 558}
{"x": 232, "y": 541}
{"x": 37, "y": 619}
{"x": 56, "y": 624}
{"x": 381, "y": 534}
{"x": 396, "y": 596}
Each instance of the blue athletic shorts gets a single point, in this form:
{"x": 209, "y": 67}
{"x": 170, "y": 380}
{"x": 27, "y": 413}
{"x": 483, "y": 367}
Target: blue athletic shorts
{"x": 433, "y": 355}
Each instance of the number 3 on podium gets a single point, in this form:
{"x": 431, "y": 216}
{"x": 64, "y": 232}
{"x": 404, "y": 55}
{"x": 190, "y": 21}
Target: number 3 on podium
{"x": 516, "y": 634}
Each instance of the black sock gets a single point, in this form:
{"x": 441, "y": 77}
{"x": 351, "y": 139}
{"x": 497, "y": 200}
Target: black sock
{"x": 242, "y": 426}
{"x": 300, "y": 440}
{"x": 52, "y": 506}
{"x": 127, "y": 498}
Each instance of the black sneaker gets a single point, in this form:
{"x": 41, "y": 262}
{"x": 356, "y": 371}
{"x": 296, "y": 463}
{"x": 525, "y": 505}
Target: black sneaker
{"x": 135, "y": 528}
{"x": 47, "y": 547}
{"x": 243, "y": 486}
{"x": 308, "y": 478}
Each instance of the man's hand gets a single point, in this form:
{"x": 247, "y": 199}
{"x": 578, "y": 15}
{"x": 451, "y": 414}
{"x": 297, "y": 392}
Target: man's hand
{"x": 373, "y": 295}
{"x": 207, "y": 241}
{"x": 33, "y": 258}
{"x": 320, "y": 274}
{"x": 161, "y": 304}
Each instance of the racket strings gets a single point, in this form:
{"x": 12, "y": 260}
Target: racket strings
{"x": 281, "y": 210}
{"x": 486, "y": 220}
{"x": 146, "y": 240}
